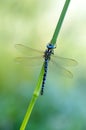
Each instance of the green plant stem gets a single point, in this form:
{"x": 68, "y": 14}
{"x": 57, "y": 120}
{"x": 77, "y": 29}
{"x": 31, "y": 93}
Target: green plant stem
{"x": 59, "y": 24}
{"x": 38, "y": 86}
{"x": 33, "y": 100}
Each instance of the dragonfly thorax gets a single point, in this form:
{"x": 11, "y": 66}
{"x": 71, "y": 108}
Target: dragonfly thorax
{"x": 49, "y": 51}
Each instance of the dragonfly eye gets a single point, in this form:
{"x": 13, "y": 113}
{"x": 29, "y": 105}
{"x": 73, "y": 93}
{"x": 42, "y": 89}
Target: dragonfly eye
{"x": 50, "y": 46}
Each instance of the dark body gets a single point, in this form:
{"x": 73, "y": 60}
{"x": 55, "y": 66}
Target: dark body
{"x": 47, "y": 55}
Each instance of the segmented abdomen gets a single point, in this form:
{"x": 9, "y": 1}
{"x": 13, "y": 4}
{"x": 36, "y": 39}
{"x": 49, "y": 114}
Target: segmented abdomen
{"x": 44, "y": 76}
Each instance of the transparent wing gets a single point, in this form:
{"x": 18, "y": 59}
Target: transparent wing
{"x": 28, "y": 51}
{"x": 64, "y": 61}
{"x": 61, "y": 70}
{"x": 30, "y": 61}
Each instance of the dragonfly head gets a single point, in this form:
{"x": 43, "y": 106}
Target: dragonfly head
{"x": 50, "y": 46}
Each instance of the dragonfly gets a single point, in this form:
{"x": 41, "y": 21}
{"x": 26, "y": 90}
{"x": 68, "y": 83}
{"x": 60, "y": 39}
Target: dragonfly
{"x": 31, "y": 55}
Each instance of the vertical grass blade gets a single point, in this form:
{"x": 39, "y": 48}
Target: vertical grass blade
{"x": 59, "y": 24}
{"x": 33, "y": 100}
{"x": 38, "y": 86}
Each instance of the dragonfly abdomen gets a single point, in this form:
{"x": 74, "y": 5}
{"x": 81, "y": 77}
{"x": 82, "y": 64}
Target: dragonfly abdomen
{"x": 44, "y": 76}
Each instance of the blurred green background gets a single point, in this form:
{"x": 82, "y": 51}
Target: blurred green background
{"x": 32, "y": 23}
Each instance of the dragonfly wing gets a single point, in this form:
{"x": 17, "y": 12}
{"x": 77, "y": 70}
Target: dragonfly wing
{"x": 64, "y": 61}
{"x": 28, "y": 51}
{"x": 29, "y": 61}
{"x": 61, "y": 70}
